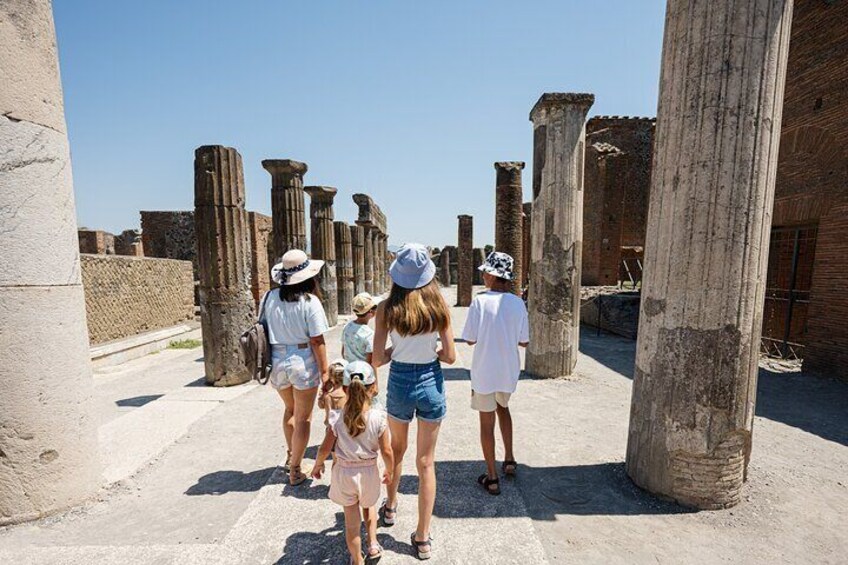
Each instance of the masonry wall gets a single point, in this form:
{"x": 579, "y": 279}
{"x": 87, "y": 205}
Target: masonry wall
{"x": 125, "y": 296}
{"x": 812, "y": 175}
{"x": 617, "y": 181}
{"x": 170, "y": 235}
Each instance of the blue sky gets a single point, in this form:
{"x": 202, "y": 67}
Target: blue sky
{"x": 411, "y": 102}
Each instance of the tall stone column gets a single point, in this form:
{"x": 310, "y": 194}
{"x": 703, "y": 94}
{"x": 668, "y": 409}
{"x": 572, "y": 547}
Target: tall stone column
{"x": 323, "y": 239}
{"x": 48, "y": 435}
{"x": 374, "y": 221}
{"x": 223, "y": 260}
{"x": 478, "y": 258}
{"x": 344, "y": 267}
{"x": 377, "y": 274}
{"x": 357, "y": 240}
{"x": 559, "y": 132}
{"x": 384, "y": 267}
{"x": 369, "y": 259}
{"x": 465, "y": 260}
{"x": 288, "y": 206}
{"x": 526, "y": 242}
{"x": 715, "y": 156}
{"x": 508, "y": 211}
{"x": 444, "y": 267}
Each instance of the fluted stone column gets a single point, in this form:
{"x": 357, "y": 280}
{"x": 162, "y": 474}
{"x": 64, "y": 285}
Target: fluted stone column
{"x": 288, "y": 206}
{"x": 374, "y": 222}
{"x": 48, "y": 435}
{"x": 715, "y": 158}
{"x": 478, "y": 258}
{"x": 559, "y": 121}
{"x": 369, "y": 259}
{"x": 526, "y": 242}
{"x": 377, "y": 271}
{"x": 323, "y": 239}
{"x": 357, "y": 240}
{"x": 465, "y": 260}
{"x": 508, "y": 211}
{"x": 384, "y": 260}
{"x": 444, "y": 267}
{"x": 344, "y": 267}
{"x": 223, "y": 262}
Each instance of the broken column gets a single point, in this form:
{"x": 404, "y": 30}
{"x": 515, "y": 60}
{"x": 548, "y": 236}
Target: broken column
{"x": 716, "y": 146}
{"x": 223, "y": 258}
{"x": 526, "y": 242}
{"x": 288, "y": 206}
{"x": 559, "y": 132}
{"x": 465, "y": 260}
{"x": 48, "y": 433}
{"x": 478, "y": 258}
{"x": 322, "y": 235}
{"x": 344, "y": 267}
{"x": 508, "y": 211}
{"x": 357, "y": 242}
{"x": 372, "y": 219}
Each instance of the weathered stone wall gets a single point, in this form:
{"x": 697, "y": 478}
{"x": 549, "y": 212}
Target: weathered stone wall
{"x": 125, "y": 296}
{"x": 617, "y": 185}
{"x": 170, "y": 235}
{"x": 97, "y": 242}
{"x": 259, "y": 230}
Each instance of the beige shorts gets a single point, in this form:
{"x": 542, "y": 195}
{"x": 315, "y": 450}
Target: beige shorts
{"x": 489, "y": 402}
{"x": 355, "y": 482}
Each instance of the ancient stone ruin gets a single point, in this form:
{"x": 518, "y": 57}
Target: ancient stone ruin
{"x": 373, "y": 222}
{"x": 508, "y": 216}
{"x": 288, "y": 206}
{"x": 465, "y": 260}
{"x": 344, "y": 267}
{"x": 323, "y": 239}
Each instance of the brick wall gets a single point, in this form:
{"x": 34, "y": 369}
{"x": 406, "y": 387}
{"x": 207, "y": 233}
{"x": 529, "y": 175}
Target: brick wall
{"x": 259, "y": 227}
{"x": 617, "y": 181}
{"x": 125, "y": 296}
{"x": 97, "y": 242}
{"x": 170, "y": 235}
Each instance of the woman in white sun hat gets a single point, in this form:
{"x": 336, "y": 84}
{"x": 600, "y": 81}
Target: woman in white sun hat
{"x": 296, "y": 325}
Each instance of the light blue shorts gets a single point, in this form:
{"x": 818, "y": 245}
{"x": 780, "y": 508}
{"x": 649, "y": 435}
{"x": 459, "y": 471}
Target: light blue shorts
{"x": 293, "y": 366}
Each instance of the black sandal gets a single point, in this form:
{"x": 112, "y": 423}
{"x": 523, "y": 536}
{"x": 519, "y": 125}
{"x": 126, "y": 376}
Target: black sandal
{"x": 418, "y": 545}
{"x": 484, "y": 481}
{"x": 509, "y": 468}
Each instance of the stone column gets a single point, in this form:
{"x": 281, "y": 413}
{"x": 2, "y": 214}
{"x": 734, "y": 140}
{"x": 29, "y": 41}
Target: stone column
{"x": 526, "y": 242}
{"x": 508, "y": 212}
{"x": 377, "y": 275}
{"x": 344, "y": 267}
{"x": 384, "y": 267}
{"x": 324, "y": 246}
{"x": 223, "y": 259}
{"x": 444, "y": 267}
{"x": 288, "y": 206}
{"x": 559, "y": 122}
{"x": 357, "y": 240}
{"x": 478, "y": 258}
{"x": 715, "y": 156}
{"x": 369, "y": 259}
{"x": 374, "y": 222}
{"x": 465, "y": 260}
{"x": 48, "y": 435}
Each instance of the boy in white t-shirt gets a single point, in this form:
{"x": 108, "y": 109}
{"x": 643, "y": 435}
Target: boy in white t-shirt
{"x": 497, "y": 323}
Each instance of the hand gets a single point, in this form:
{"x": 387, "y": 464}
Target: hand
{"x": 387, "y": 477}
{"x": 327, "y": 384}
{"x": 317, "y": 471}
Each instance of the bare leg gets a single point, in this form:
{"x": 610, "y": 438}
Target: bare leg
{"x": 505, "y": 423}
{"x": 304, "y": 402}
{"x": 287, "y": 395}
{"x": 370, "y": 516}
{"x": 428, "y": 433}
{"x": 487, "y": 441}
{"x": 400, "y": 433}
{"x": 353, "y": 523}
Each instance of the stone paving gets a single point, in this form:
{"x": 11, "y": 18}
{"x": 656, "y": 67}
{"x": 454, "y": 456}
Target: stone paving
{"x": 197, "y": 480}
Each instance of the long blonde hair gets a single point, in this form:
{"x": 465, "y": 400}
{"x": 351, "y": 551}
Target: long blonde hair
{"x": 358, "y": 401}
{"x": 416, "y": 311}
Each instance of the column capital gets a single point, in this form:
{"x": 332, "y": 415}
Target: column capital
{"x": 556, "y": 101}
{"x": 284, "y": 171}
{"x": 508, "y": 172}
{"x": 509, "y": 165}
{"x": 323, "y": 194}
{"x": 370, "y": 214}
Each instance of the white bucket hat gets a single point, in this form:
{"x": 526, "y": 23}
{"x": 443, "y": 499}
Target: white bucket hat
{"x": 498, "y": 264}
{"x": 295, "y": 267}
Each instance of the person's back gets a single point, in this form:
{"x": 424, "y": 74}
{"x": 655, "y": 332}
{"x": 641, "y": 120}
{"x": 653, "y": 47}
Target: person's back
{"x": 364, "y": 446}
{"x": 357, "y": 341}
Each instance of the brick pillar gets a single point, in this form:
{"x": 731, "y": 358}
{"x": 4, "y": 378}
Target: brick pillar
{"x": 288, "y": 206}
{"x": 465, "y": 260}
{"x": 323, "y": 239}
{"x": 478, "y": 258}
{"x": 526, "y": 242}
{"x": 508, "y": 212}
{"x": 357, "y": 241}
{"x": 369, "y": 259}
{"x": 223, "y": 257}
{"x": 344, "y": 267}
{"x": 559, "y": 122}
{"x": 48, "y": 432}
{"x": 712, "y": 189}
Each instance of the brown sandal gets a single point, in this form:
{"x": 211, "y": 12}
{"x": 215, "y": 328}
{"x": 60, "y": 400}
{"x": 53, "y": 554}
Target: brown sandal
{"x": 296, "y": 476}
{"x": 487, "y": 484}
{"x": 509, "y": 468}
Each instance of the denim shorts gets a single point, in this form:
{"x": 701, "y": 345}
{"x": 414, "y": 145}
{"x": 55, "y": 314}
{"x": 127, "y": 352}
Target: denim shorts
{"x": 293, "y": 366}
{"x": 416, "y": 390}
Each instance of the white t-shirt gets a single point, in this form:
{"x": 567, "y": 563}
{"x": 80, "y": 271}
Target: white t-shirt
{"x": 358, "y": 341}
{"x": 293, "y": 323}
{"x": 498, "y": 322}
{"x": 366, "y": 445}
{"x": 416, "y": 349}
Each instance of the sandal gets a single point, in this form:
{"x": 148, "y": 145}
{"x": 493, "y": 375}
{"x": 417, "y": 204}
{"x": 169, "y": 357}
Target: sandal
{"x": 375, "y": 552}
{"x": 384, "y": 511}
{"x": 287, "y": 464}
{"x": 296, "y": 476}
{"x": 419, "y": 545}
{"x": 361, "y": 555}
{"x": 509, "y": 468}
{"x": 487, "y": 484}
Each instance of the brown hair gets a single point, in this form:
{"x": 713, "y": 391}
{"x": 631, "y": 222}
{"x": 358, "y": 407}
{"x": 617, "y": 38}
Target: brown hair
{"x": 294, "y": 292}
{"x": 358, "y": 401}
{"x": 416, "y": 311}
{"x": 337, "y": 373}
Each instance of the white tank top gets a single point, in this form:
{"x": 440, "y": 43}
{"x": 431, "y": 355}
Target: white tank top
{"x": 418, "y": 349}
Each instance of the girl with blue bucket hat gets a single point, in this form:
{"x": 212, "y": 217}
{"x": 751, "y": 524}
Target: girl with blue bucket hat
{"x": 416, "y": 317}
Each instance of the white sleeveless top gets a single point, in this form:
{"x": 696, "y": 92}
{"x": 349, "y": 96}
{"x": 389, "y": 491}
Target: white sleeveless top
{"x": 417, "y": 349}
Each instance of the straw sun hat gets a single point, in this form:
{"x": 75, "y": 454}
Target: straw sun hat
{"x": 295, "y": 267}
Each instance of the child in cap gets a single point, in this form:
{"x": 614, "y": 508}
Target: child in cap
{"x": 356, "y": 435}
{"x": 334, "y": 397}
{"x": 357, "y": 336}
{"x": 497, "y": 325}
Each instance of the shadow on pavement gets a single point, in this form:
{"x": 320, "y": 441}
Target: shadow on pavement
{"x": 138, "y": 401}
{"x": 222, "y": 482}
{"x": 614, "y": 352}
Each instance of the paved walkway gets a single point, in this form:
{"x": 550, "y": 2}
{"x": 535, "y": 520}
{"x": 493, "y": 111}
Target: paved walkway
{"x": 196, "y": 481}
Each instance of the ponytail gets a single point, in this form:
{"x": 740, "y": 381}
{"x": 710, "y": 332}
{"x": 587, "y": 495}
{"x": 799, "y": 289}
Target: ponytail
{"x": 358, "y": 400}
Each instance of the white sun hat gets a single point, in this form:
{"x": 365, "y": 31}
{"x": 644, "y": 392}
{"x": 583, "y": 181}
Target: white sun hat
{"x": 359, "y": 370}
{"x": 295, "y": 267}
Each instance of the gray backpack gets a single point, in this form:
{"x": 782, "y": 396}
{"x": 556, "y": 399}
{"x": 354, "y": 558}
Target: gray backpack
{"x": 255, "y": 349}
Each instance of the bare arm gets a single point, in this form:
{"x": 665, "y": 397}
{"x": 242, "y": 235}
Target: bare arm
{"x": 323, "y": 452}
{"x": 447, "y": 354}
{"x": 388, "y": 456}
{"x": 319, "y": 348}
{"x": 381, "y": 334}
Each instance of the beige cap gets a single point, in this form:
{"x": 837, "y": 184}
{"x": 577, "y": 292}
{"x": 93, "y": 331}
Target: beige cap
{"x": 363, "y": 303}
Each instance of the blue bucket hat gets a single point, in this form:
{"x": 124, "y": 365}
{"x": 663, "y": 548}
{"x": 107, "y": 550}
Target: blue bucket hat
{"x": 412, "y": 267}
